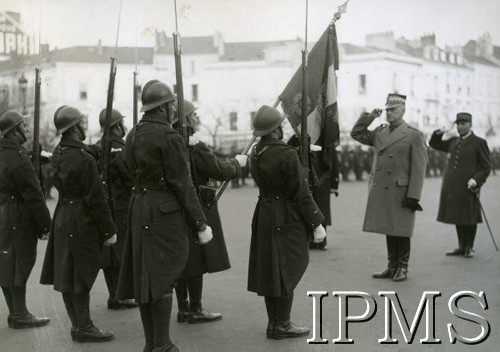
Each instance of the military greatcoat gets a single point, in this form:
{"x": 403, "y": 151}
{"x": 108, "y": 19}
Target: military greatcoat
{"x": 468, "y": 158}
{"x": 163, "y": 206}
{"x": 23, "y": 214}
{"x": 211, "y": 257}
{"x": 82, "y": 220}
{"x": 121, "y": 183}
{"x": 397, "y": 173}
{"x": 283, "y": 220}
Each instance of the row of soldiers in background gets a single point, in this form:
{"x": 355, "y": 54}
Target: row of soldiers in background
{"x": 358, "y": 161}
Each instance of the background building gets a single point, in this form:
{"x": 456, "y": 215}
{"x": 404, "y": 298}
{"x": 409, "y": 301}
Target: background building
{"x": 230, "y": 81}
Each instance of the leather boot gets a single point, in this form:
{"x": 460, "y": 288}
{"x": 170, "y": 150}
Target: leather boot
{"x": 166, "y": 348}
{"x": 461, "y": 243}
{"x": 392, "y": 258}
{"x": 148, "y": 326}
{"x": 272, "y": 315}
{"x": 21, "y": 318}
{"x": 161, "y": 309}
{"x": 87, "y": 331}
{"x": 401, "y": 274}
{"x": 469, "y": 241}
{"x": 284, "y": 330}
{"x": 199, "y": 314}
{"x": 181, "y": 292}
{"x": 117, "y": 304}
{"x": 70, "y": 309}
{"x": 8, "y": 300}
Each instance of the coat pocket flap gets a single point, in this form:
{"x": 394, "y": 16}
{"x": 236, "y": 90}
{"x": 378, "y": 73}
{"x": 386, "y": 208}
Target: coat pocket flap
{"x": 403, "y": 182}
{"x": 169, "y": 205}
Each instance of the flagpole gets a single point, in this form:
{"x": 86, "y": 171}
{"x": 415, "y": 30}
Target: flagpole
{"x": 304, "y": 138}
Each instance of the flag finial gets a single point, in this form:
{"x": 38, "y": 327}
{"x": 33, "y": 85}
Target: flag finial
{"x": 340, "y": 10}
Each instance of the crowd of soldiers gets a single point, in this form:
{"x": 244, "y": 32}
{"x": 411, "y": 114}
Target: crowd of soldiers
{"x": 154, "y": 228}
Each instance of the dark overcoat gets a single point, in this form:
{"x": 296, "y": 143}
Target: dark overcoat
{"x": 163, "y": 206}
{"x": 467, "y": 158}
{"x": 23, "y": 214}
{"x": 211, "y": 257}
{"x": 82, "y": 220}
{"x": 398, "y": 172}
{"x": 121, "y": 183}
{"x": 283, "y": 220}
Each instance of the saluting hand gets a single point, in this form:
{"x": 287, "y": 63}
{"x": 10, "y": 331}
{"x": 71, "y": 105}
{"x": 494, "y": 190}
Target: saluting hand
{"x": 111, "y": 241}
{"x": 376, "y": 113}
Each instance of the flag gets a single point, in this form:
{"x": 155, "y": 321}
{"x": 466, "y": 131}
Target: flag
{"x": 322, "y": 119}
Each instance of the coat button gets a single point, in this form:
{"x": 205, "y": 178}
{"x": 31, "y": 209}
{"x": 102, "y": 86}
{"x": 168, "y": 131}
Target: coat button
{"x": 71, "y": 235}
{"x": 391, "y": 156}
{"x": 146, "y": 227}
{"x": 278, "y": 229}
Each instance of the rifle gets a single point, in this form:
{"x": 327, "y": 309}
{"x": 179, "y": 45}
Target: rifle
{"x": 135, "y": 98}
{"x": 106, "y": 141}
{"x": 36, "y": 128}
{"x": 180, "y": 88}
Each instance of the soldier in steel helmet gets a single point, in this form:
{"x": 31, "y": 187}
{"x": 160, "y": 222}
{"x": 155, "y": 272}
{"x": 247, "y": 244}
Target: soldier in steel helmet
{"x": 82, "y": 225}
{"x": 24, "y": 217}
{"x": 163, "y": 207}
{"x": 121, "y": 183}
{"x": 212, "y": 257}
{"x": 285, "y": 218}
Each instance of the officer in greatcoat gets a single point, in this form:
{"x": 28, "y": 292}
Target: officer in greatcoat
{"x": 121, "y": 183}
{"x": 211, "y": 257}
{"x": 285, "y": 218}
{"x": 469, "y": 164}
{"x": 396, "y": 181}
{"x": 82, "y": 225}
{"x": 24, "y": 218}
{"x": 163, "y": 207}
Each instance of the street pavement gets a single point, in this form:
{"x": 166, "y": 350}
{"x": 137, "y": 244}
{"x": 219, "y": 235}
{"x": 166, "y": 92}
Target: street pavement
{"x": 347, "y": 265}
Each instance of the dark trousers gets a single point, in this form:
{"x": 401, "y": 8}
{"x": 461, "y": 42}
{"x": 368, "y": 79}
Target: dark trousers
{"x": 466, "y": 235}
{"x": 111, "y": 275}
{"x": 192, "y": 286}
{"x": 77, "y": 307}
{"x": 155, "y": 317}
{"x": 15, "y": 297}
{"x": 279, "y": 308}
{"x": 398, "y": 251}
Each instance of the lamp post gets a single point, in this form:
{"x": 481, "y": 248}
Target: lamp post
{"x": 23, "y": 86}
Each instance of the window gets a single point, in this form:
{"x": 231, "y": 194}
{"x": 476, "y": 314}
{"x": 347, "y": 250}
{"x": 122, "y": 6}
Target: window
{"x": 194, "y": 92}
{"x": 83, "y": 91}
{"x": 362, "y": 84}
{"x": 233, "y": 121}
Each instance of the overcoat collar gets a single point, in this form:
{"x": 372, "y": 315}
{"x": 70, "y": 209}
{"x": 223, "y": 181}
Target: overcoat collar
{"x": 10, "y": 144}
{"x": 155, "y": 118}
{"x": 73, "y": 143}
{"x": 387, "y": 138}
{"x": 271, "y": 141}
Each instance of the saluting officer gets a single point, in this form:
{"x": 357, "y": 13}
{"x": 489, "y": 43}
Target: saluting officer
{"x": 469, "y": 166}
{"x": 396, "y": 181}
{"x": 82, "y": 225}
{"x": 212, "y": 257}
{"x": 163, "y": 207}
{"x": 121, "y": 183}
{"x": 285, "y": 217}
{"x": 24, "y": 217}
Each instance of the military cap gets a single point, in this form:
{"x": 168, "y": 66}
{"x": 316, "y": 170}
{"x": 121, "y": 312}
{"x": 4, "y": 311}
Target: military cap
{"x": 394, "y": 99}
{"x": 463, "y": 117}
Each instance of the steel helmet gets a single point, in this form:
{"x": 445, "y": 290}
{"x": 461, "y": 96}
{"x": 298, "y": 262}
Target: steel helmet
{"x": 266, "y": 120}
{"x": 116, "y": 117}
{"x": 66, "y": 118}
{"x": 154, "y": 94}
{"x": 9, "y": 120}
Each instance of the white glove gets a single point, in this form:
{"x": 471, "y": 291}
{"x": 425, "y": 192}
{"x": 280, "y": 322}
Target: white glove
{"x": 471, "y": 184}
{"x": 205, "y": 236}
{"x": 376, "y": 113}
{"x": 111, "y": 241}
{"x": 315, "y": 148}
{"x": 242, "y": 159}
{"x": 45, "y": 154}
{"x": 319, "y": 234}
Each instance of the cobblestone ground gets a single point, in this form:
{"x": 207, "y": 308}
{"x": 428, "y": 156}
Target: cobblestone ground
{"x": 347, "y": 265}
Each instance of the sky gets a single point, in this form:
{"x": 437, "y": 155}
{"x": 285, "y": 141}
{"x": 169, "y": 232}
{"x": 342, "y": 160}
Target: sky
{"x": 63, "y": 23}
